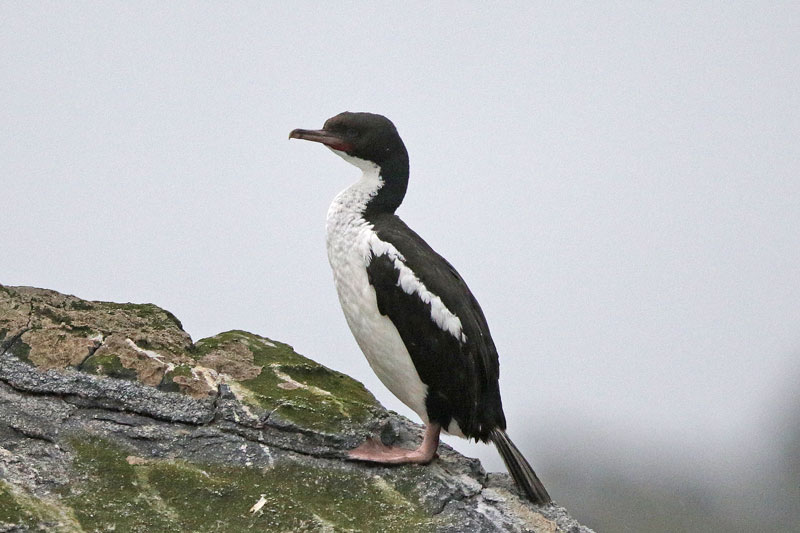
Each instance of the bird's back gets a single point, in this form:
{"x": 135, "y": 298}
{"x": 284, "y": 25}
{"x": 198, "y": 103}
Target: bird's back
{"x": 442, "y": 327}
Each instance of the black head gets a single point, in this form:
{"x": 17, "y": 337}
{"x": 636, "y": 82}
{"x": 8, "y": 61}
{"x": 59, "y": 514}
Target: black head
{"x": 365, "y": 136}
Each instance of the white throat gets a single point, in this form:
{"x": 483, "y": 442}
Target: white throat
{"x": 353, "y": 200}
{"x": 363, "y": 164}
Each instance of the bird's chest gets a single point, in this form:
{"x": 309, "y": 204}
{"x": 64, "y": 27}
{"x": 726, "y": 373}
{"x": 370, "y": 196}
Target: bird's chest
{"x": 348, "y": 253}
{"x": 349, "y": 241}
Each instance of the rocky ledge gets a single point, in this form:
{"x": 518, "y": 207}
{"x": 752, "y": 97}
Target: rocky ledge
{"x": 112, "y": 419}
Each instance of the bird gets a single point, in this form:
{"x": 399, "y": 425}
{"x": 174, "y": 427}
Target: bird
{"x": 411, "y": 313}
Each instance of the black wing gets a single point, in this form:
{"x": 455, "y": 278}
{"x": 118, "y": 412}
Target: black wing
{"x": 461, "y": 373}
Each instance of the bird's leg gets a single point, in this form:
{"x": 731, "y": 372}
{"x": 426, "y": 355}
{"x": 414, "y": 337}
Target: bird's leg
{"x": 375, "y": 451}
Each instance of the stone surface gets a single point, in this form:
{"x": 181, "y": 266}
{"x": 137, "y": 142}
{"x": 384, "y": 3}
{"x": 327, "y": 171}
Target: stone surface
{"x": 111, "y": 418}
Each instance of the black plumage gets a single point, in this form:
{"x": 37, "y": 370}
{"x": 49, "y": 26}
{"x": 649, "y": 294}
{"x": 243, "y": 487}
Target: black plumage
{"x": 462, "y": 376}
{"x": 458, "y": 366}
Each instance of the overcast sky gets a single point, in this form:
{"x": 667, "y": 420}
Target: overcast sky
{"x": 620, "y": 186}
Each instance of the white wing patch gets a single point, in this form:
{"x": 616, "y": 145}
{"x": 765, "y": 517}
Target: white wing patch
{"x": 352, "y": 243}
{"x": 411, "y": 284}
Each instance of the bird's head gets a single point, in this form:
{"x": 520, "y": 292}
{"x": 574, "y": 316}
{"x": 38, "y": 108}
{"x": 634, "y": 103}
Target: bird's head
{"x": 359, "y": 138}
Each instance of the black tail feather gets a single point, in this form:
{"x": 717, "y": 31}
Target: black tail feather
{"x": 524, "y": 476}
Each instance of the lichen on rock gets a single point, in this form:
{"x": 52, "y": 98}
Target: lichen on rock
{"x": 111, "y": 418}
{"x": 271, "y": 377}
{"x": 162, "y": 494}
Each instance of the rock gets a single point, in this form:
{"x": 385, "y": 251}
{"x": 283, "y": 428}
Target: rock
{"x": 111, "y": 418}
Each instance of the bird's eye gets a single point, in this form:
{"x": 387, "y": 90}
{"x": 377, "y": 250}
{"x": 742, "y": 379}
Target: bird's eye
{"x": 352, "y": 133}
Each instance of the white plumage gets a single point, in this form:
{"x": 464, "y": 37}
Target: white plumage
{"x": 350, "y": 240}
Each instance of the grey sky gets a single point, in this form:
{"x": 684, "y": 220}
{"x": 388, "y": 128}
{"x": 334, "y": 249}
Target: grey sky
{"x": 619, "y": 187}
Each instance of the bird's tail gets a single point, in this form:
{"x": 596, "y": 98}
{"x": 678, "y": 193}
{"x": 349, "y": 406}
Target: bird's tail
{"x": 524, "y": 476}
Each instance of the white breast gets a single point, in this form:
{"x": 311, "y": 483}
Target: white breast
{"x": 350, "y": 240}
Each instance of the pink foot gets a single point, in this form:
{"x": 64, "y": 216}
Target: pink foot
{"x": 373, "y": 450}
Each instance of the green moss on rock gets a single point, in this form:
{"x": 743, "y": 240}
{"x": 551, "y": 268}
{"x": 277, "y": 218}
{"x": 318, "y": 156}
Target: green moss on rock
{"x": 82, "y": 331}
{"x": 294, "y": 387}
{"x": 23, "y": 510}
{"x": 54, "y": 314}
{"x": 21, "y": 350}
{"x": 118, "y": 492}
{"x": 156, "y": 317}
{"x": 108, "y": 364}
{"x": 81, "y": 305}
{"x": 168, "y": 383}
{"x": 62, "y": 330}
{"x": 107, "y": 496}
{"x": 10, "y": 509}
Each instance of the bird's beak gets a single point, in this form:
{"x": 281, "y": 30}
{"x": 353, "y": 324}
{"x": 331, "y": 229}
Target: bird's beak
{"x": 327, "y": 138}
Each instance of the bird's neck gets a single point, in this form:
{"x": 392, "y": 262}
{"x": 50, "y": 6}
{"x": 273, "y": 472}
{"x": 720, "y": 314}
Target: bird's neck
{"x": 379, "y": 190}
{"x": 394, "y": 176}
